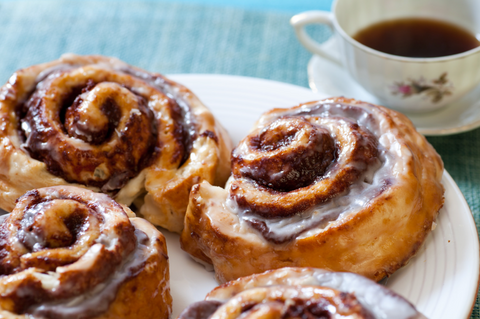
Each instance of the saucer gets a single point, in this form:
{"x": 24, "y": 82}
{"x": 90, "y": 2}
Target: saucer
{"x": 331, "y": 79}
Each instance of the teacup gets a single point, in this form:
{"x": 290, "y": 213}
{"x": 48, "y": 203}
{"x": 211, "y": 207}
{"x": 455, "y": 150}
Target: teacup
{"x": 403, "y": 83}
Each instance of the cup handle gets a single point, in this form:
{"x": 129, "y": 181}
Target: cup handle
{"x": 303, "y": 19}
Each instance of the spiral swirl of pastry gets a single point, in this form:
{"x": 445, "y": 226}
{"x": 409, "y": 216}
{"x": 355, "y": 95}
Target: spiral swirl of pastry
{"x": 117, "y": 128}
{"x": 337, "y": 184}
{"x": 98, "y": 122}
{"x": 67, "y": 251}
{"x": 302, "y": 293}
{"x": 295, "y": 164}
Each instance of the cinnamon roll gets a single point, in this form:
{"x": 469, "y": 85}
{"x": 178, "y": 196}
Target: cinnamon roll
{"x": 337, "y": 184}
{"x": 100, "y": 123}
{"x": 67, "y": 252}
{"x": 302, "y": 293}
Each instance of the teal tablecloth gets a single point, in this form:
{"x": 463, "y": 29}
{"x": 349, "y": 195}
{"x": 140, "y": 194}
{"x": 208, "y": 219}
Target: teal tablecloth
{"x": 243, "y": 37}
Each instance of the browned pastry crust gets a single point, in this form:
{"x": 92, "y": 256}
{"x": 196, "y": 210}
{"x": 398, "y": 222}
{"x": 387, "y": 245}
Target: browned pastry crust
{"x": 100, "y": 123}
{"x": 368, "y": 210}
{"x": 301, "y": 293}
{"x": 67, "y": 252}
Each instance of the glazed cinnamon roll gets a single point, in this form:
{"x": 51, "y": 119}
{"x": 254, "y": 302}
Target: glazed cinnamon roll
{"x": 105, "y": 125}
{"x": 336, "y": 184}
{"x": 302, "y": 293}
{"x": 67, "y": 252}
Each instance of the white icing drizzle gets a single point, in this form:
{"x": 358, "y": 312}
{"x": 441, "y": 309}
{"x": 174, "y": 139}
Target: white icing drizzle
{"x": 382, "y": 302}
{"x": 29, "y": 237}
{"x": 357, "y": 196}
{"x": 379, "y": 300}
{"x": 99, "y": 299}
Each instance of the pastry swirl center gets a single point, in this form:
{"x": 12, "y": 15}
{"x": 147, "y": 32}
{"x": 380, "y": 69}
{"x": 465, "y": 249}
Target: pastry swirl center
{"x": 306, "y": 165}
{"x": 291, "y": 154}
{"x": 292, "y": 302}
{"x": 57, "y": 244}
{"x": 55, "y": 224}
{"x": 95, "y": 114}
{"x": 91, "y": 130}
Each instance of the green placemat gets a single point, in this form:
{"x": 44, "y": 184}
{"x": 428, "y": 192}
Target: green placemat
{"x": 159, "y": 36}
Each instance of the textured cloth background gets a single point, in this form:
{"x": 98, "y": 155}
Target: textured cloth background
{"x": 251, "y": 38}
{"x": 166, "y": 37}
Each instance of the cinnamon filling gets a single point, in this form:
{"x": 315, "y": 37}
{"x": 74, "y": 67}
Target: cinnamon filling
{"x": 56, "y": 246}
{"x": 200, "y": 310}
{"x": 300, "y": 162}
{"x": 98, "y": 129}
{"x": 292, "y": 302}
{"x": 184, "y": 121}
{"x": 321, "y": 308}
{"x": 292, "y": 154}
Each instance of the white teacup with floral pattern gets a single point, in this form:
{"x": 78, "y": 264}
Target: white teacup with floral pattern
{"x": 402, "y": 83}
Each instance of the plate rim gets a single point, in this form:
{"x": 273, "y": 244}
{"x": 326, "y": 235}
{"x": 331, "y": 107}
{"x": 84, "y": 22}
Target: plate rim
{"x": 457, "y": 192}
{"x": 476, "y": 243}
{"x": 220, "y": 76}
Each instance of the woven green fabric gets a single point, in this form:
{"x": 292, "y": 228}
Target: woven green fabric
{"x": 159, "y": 36}
{"x": 461, "y": 156}
{"x": 173, "y": 37}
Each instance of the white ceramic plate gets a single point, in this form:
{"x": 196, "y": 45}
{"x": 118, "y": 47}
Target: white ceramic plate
{"x": 330, "y": 79}
{"x": 441, "y": 280}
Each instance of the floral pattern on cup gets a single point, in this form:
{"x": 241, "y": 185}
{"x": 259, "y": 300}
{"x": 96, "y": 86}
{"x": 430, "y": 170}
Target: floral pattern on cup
{"x": 434, "y": 90}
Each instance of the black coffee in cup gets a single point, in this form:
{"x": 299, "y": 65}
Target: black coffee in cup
{"x": 417, "y": 38}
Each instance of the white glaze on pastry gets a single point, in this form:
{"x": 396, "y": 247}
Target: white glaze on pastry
{"x": 274, "y": 292}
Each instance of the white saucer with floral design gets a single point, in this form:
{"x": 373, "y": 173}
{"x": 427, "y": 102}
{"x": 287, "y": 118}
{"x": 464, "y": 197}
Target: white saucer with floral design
{"x": 463, "y": 115}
